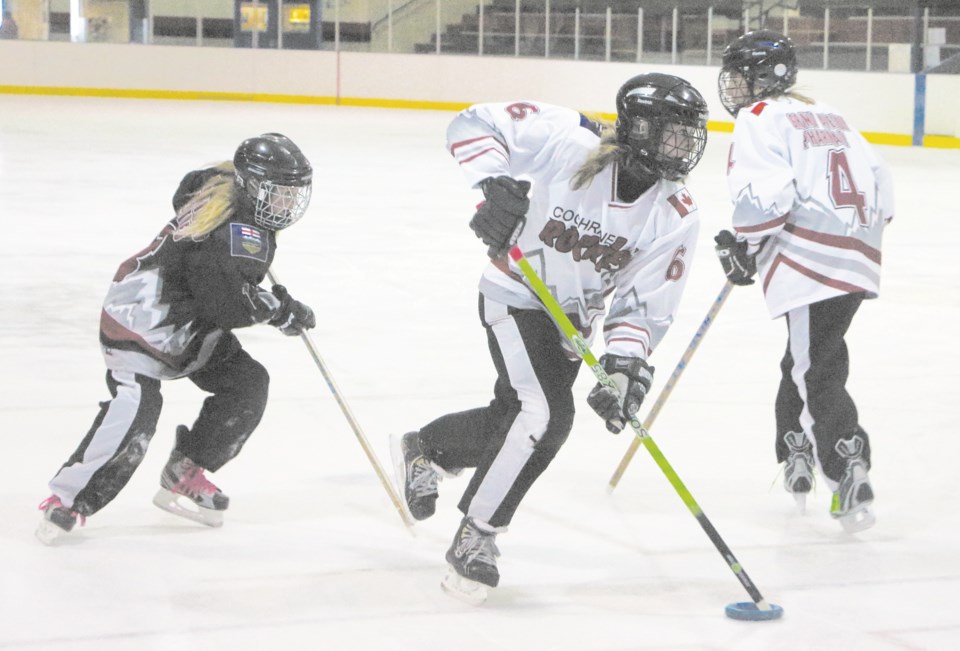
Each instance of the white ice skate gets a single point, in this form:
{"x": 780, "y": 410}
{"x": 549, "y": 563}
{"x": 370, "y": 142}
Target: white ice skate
{"x": 185, "y": 491}
{"x": 58, "y": 521}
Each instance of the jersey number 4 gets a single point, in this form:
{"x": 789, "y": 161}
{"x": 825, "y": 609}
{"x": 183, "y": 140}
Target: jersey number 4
{"x": 843, "y": 189}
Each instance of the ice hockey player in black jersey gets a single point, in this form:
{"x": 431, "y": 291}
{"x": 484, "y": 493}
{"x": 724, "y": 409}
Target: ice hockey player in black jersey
{"x": 603, "y": 214}
{"x": 169, "y": 313}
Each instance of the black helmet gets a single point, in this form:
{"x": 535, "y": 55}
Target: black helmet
{"x": 756, "y": 65}
{"x": 275, "y": 178}
{"x": 662, "y": 123}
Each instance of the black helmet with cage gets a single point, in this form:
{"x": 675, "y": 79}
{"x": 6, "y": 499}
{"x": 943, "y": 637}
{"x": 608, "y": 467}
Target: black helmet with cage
{"x": 759, "y": 64}
{"x": 662, "y": 125}
{"x": 275, "y": 179}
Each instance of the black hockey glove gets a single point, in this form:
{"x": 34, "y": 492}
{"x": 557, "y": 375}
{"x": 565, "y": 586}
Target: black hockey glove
{"x": 292, "y": 317}
{"x": 738, "y": 265}
{"x": 632, "y": 377}
{"x": 501, "y": 217}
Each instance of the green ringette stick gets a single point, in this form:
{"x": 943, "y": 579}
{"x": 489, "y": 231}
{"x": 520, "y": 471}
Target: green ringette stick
{"x": 580, "y": 345}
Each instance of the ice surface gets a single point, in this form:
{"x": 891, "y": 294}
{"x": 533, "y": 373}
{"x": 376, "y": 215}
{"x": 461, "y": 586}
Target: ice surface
{"x": 313, "y": 554}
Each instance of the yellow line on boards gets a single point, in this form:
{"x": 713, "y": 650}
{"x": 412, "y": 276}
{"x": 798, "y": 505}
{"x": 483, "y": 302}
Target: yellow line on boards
{"x": 936, "y": 141}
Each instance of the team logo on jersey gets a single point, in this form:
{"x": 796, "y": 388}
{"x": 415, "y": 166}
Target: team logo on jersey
{"x": 247, "y": 242}
{"x": 682, "y": 202}
{"x": 520, "y": 110}
{"x": 604, "y": 250}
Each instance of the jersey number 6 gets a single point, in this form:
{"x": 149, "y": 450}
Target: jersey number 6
{"x": 676, "y": 268}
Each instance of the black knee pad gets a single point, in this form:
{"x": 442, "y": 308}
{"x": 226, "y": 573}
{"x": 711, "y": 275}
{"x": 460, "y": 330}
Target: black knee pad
{"x": 256, "y": 383}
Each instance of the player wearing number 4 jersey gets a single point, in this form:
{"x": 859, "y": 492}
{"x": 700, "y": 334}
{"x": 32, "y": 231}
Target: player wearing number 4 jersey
{"x": 599, "y": 210}
{"x": 811, "y": 199}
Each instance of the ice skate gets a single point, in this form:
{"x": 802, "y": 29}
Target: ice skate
{"x": 473, "y": 562}
{"x": 798, "y": 468}
{"x": 417, "y": 477}
{"x": 854, "y": 495}
{"x": 57, "y": 521}
{"x": 186, "y": 492}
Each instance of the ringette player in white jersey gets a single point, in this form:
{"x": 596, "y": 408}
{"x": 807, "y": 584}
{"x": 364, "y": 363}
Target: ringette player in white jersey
{"x": 811, "y": 199}
{"x": 599, "y": 211}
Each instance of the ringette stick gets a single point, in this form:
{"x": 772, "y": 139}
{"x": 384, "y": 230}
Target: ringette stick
{"x": 584, "y": 351}
{"x": 668, "y": 388}
{"x": 345, "y": 408}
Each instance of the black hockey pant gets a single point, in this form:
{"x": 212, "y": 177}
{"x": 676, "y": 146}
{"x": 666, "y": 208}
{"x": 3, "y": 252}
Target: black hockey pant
{"x": 117, "y": 441}
{"x": 813, "y": 398}
{"x": 513, "y": 440}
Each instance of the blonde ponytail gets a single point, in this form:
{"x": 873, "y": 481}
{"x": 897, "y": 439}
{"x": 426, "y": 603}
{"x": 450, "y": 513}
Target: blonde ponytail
{"x": 210, "y": 206}
{"x": 606, "y": 153}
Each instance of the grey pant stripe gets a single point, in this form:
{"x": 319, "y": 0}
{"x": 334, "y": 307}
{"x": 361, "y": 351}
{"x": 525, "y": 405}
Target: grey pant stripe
{"x": 531, "y": 422}
{"x": 105, "y": 442}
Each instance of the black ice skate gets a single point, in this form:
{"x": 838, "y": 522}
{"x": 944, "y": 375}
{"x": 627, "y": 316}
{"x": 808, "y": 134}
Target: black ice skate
{"x": 854, "y": 495}
{"x": 417, "y": 477}
{"x": 57, "y": 521}
{"x": 186, "y": 492}
{"x": 473, "y": 562}
{"x": 798, "y": 468}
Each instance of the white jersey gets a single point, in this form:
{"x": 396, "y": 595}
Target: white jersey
{"x": 583, "y": 243}
{"x": 799, "y": 175}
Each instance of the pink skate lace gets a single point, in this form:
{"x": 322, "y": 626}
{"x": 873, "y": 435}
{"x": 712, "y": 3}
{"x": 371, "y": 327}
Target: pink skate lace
{"x": 193, "y": 481}
{"x": 54, "y": 502}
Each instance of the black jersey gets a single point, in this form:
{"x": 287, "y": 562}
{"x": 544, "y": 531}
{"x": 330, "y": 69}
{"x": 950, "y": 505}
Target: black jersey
{"x": 171, "y": 303}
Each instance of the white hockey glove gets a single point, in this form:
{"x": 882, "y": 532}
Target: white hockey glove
{"x": 632, "y": 377}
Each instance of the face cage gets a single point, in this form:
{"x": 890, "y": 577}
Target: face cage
{"x": 681, "y": 148}
{"x": 279, "y": 206}
{"x": 735, "y": 90}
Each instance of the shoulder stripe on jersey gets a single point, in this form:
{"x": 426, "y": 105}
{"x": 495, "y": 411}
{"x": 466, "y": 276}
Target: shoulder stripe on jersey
{"x": 758, "y": 109}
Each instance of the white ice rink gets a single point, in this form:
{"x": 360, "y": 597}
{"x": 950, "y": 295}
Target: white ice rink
{"x": 313, "y": 554}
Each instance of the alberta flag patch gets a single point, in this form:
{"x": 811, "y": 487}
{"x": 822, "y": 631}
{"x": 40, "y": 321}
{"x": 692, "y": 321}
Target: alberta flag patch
{"x": 683, "y": 202}
{"x": 248, "y": 242}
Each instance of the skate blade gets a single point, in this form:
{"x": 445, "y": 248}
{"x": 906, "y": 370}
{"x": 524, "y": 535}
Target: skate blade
{"x": 48, "y": 533}
{"x": 187, "y": 508}
{"x": 857, "y": 521}
{"x": 464, "y": 589}
{"x": 801, "y": 500}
